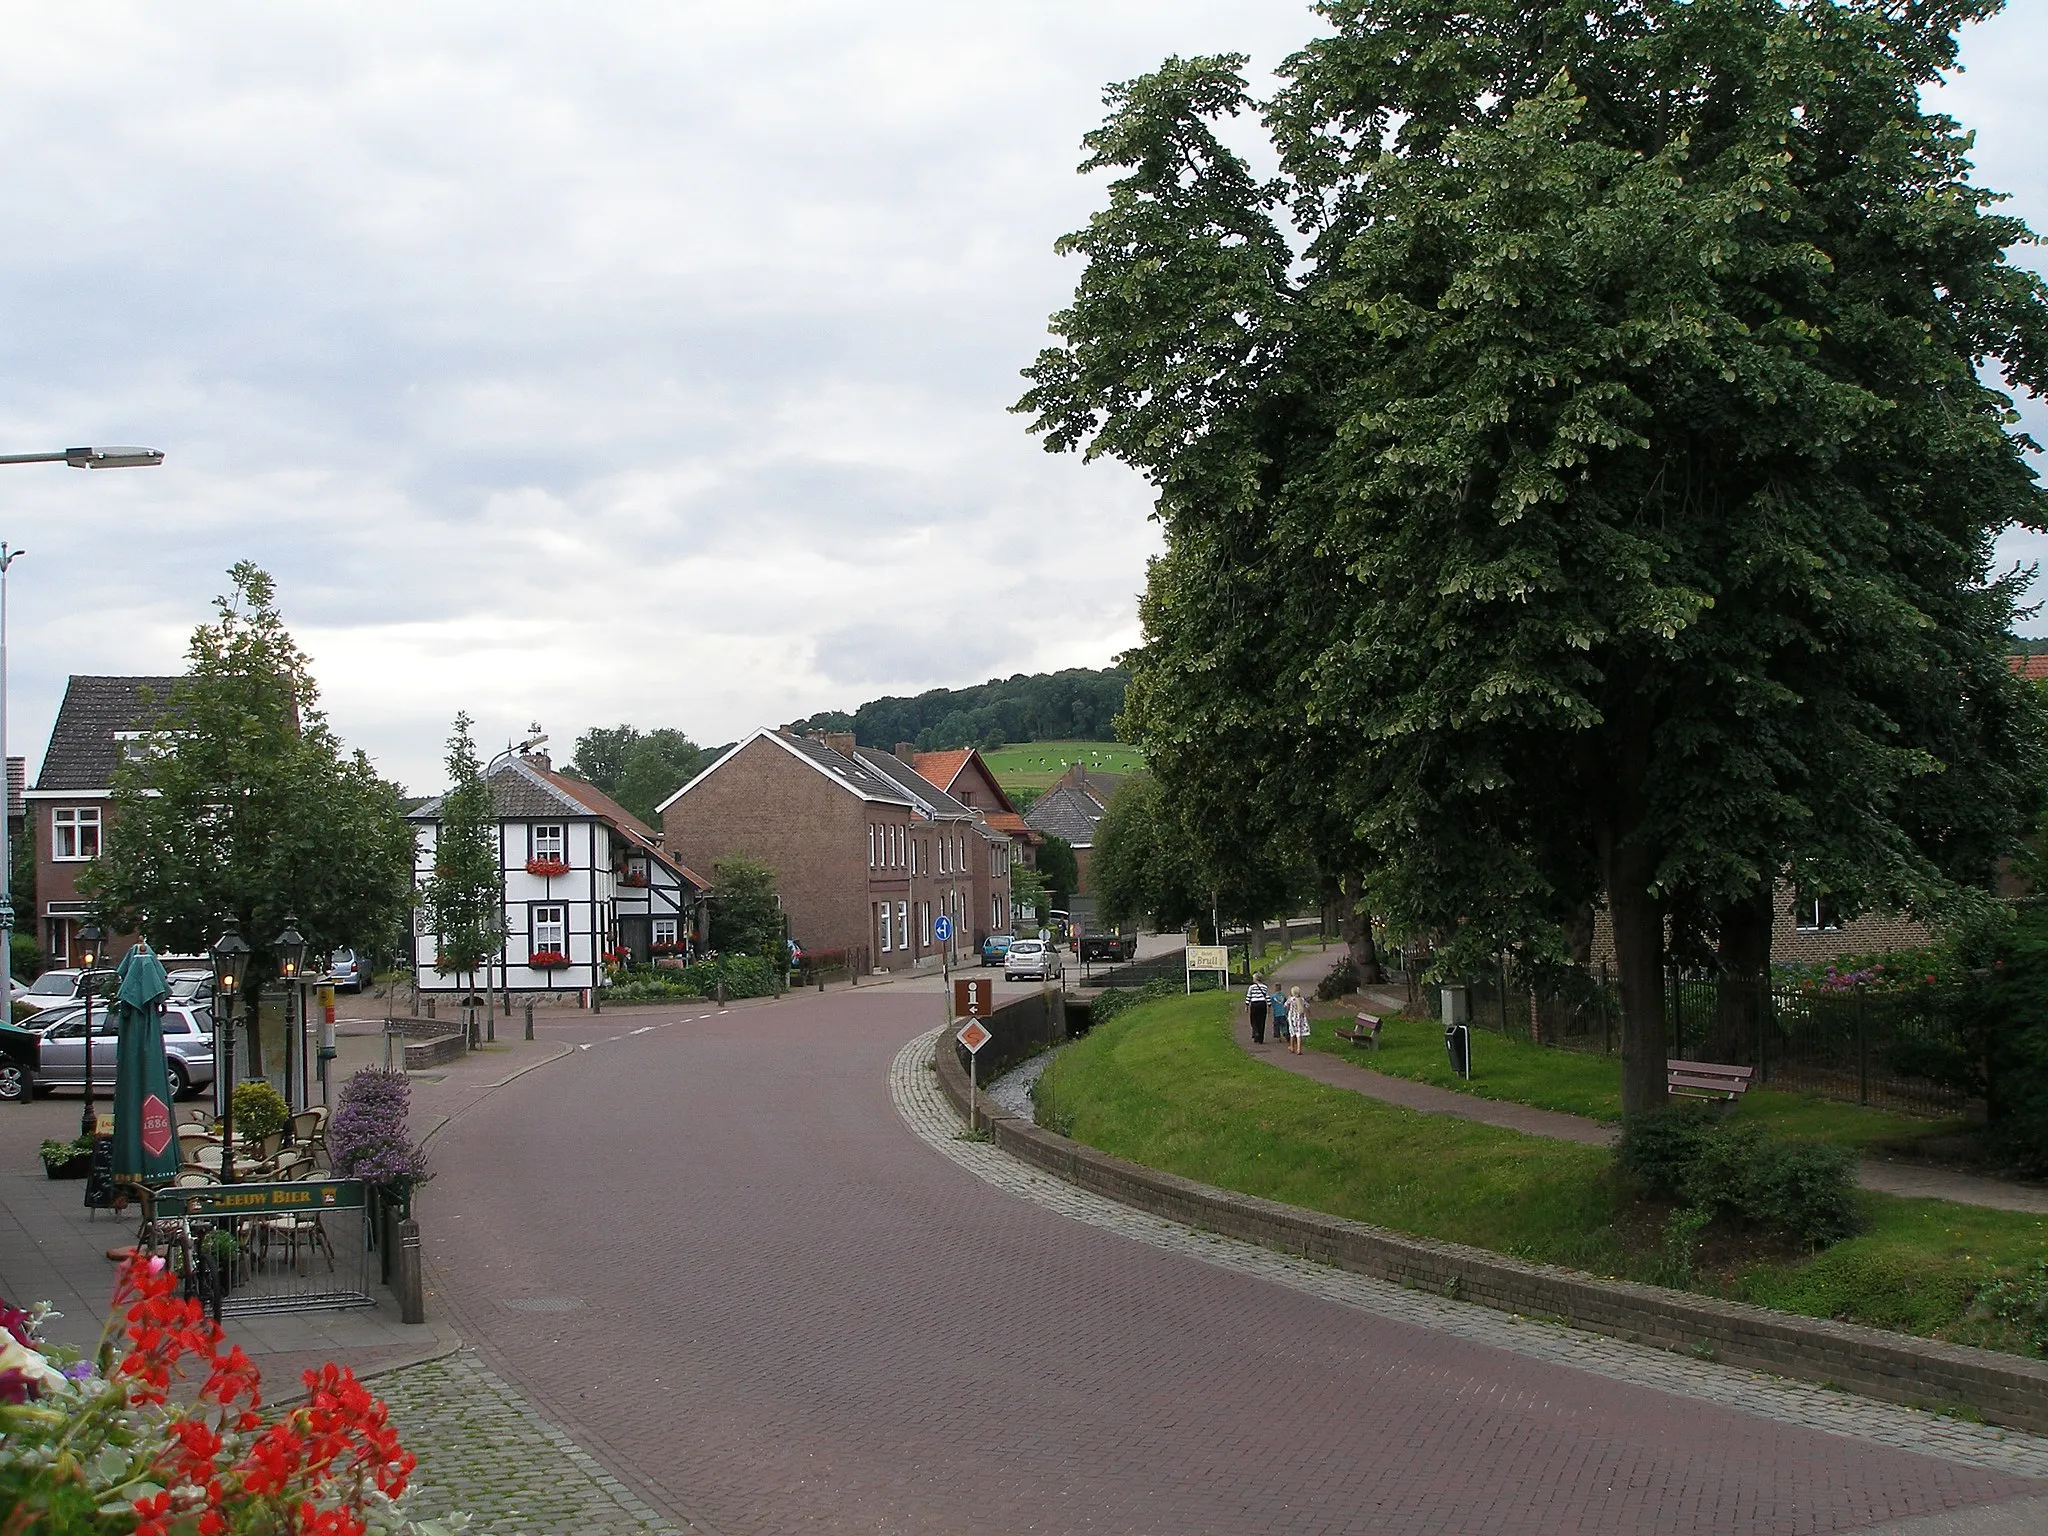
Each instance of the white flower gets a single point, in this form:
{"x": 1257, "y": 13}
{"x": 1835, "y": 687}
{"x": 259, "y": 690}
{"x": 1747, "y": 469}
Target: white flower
{"x": 17, "y": 1356}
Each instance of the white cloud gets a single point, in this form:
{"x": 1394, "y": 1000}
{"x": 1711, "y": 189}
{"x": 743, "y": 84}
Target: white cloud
{"x": 645, "y": 361}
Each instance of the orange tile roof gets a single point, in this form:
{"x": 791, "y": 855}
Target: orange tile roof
{"x": 941, "y": 768}
{"x": 586, "y": 793}
{"x": 2033, "y": 668}
{"x": 1011, "y": 823}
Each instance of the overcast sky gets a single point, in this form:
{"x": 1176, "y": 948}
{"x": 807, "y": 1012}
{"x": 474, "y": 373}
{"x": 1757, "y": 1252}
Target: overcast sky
{"x": 590, "y": 363}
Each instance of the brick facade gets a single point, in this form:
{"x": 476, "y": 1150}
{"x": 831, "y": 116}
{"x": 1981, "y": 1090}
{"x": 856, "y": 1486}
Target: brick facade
{"x": 1795, "y": 940}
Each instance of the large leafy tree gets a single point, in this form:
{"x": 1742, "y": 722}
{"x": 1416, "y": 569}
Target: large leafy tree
{"x": 638, "y": 769}
{"x": 242, "y": 802}
{"x": 746, "y": 916}
{"x": 1596, "y": 393}
{"x": 463, "y": 900}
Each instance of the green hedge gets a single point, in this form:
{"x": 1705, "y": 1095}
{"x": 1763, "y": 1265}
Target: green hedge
{"x": 744, "y": 975}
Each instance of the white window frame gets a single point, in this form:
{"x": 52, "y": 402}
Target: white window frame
{"x": 665, "y": 930}
{"x": 536, "y": 926}
{"x": 76, "y": 820}
{"x": 924, "y": 921}
{"x": 871, "y": 845}
{"x": 903, "y": 925}
{"x": 1815, "y": 914}
{"x": 541, "y": 840}
{"x": 882, "y": 907}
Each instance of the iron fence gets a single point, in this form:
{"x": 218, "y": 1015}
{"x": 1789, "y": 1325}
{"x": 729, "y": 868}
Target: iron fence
{"x": 253, "y": 1248}
{"x": 1908, "y": 1050}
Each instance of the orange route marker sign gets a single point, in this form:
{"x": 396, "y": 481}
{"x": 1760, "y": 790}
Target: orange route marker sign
{"x": 974, "y": 1035}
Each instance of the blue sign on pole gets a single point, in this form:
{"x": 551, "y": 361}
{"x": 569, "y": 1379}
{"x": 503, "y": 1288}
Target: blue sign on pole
{"x": 942, "y": 929}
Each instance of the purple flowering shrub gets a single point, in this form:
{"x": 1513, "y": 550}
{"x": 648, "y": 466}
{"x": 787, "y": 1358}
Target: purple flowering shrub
{"x": 370, "y": 1137}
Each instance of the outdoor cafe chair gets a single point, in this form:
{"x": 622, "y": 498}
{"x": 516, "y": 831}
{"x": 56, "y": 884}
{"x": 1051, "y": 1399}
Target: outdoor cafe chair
{"x": 196, "y": 1114}
{"x": 207, "y": 1156}
{"x": 193, "y": 1178}
{"x": 293, "y": 1231}
{"x": 291, "y": 1169}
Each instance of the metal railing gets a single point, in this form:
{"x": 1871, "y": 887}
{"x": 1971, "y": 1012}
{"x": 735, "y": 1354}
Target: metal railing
{"x": 252, "y": 1248}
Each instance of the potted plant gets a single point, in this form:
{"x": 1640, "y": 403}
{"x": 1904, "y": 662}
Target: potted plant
{"x": 67, "y": 1159}
{"x": 547, "y": 960}
{"x": 547, "y": 869}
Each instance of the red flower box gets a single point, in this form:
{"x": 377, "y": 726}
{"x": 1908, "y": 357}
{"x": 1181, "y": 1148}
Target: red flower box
{"x": 547, "y": 868}
{"x": 547, "y": 960}
{"x": 630, "y": 878}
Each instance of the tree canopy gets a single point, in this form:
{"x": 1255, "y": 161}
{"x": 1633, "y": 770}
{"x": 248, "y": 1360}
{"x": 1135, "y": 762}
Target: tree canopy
{"x": 639, "y": 769}
{"x": 463, "y": 900}
{"x": 240, "y": 801}
{"x": 1077, "y": 705}
{"x": 1580, "y": 463}
{"x": 746, "y": 917}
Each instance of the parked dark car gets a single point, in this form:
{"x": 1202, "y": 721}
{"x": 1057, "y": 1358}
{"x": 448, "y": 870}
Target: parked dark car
{"x": 20, "y": 1051}
{"x": 1110, "y": 948}
{"x": 994, "y": 948}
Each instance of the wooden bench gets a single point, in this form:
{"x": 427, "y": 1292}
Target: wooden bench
{"x": 1367, "y": 1031}
{"x": 1707, "y": 1080}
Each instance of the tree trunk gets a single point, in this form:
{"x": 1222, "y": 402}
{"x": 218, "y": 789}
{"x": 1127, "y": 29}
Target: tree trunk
{"x": 1358, "y": 940}
{"x": 1745, "y": 955}
{"x": 1639, "y": 958}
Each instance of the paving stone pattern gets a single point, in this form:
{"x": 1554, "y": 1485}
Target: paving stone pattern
{"x": 926, "y": 1111}
{"x": 484, "y": 1449}
{"x": 716, "y": 1258}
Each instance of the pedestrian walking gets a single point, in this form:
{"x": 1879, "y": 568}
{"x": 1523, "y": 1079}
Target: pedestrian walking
{"x": 1255, "y": 999}
{"x": 1297, "y": 1020}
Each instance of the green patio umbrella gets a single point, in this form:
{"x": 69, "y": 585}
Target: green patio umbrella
{"x": 145, "y": 1141}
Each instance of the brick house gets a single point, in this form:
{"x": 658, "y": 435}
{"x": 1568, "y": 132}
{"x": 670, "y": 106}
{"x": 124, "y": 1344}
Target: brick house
{"x": 581, "y": 875}
{"x": 867, "y": 853}
{"x": 1070, "y": 810}
{"x": 966, "y": 777}
{"x": 73, "y": 798}
{"x": 1805, "y": 930}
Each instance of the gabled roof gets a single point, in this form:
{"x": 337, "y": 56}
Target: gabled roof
{"x": 924, "y": 795}
{"x": 83, "y": 753}
{"x": 1065, "y": 813}
{"x": 1013, "y": 825}
{"x": 855, "y": 777}
{"x": 2033, "y": 668}
{"x": 942, "y": 768}
{"x": 522, "y": 792}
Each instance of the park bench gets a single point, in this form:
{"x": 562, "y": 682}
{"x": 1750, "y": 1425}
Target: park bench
{"x": 1707, "y": 1080}
{"x": 1366, "y": 1032}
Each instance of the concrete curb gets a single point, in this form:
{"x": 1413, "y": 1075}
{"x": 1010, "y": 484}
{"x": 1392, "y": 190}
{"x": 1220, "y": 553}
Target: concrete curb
{"x": 1920, "y": 1373}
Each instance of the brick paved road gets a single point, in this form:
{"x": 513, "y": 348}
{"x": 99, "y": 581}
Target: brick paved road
{"x": 714, "y": 1254}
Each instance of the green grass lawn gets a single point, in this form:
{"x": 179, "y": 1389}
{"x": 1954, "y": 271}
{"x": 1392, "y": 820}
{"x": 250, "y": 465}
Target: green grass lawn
{"x": 1165, "y": 1085}
{"x": 1036, "y": 764}
{"x": 1518, "y": 1072}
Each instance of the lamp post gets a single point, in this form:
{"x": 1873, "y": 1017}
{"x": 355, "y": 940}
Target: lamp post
{"x": 89, "y": 937}
{"x": 230, "y": 956}
{"x": 77, "y": 458}
{"x": 291, "y": 964}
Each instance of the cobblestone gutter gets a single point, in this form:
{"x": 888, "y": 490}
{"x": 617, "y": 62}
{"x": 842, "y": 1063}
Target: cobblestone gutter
{"x": 1896, "y": 1368}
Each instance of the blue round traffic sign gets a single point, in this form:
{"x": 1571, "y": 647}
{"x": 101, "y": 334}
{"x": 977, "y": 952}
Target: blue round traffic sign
{"x": 943, "y": 929}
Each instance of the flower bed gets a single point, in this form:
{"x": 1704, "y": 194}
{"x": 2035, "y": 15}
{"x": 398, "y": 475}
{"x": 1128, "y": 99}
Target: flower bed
{"x": 110, "y": 1444}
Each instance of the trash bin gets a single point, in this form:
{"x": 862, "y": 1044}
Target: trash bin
{"x": 1458, "y": 1042}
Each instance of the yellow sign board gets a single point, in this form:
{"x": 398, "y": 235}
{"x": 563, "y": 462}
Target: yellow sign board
{"x": 1209, "y": 957}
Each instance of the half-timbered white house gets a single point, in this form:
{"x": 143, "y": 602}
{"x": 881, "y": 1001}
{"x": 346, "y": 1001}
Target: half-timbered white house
{"x": 584, "y": 879}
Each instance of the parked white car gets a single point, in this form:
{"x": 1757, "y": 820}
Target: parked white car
{"x": 1032, "y": 960}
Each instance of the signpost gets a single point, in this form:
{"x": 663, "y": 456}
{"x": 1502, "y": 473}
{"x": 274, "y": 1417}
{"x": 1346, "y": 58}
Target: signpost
{"x": 1208, "y": 957}
{"x": 974, "y": 997}
{"x": 974, "y": 1035}
{"x": 942, "y": 930}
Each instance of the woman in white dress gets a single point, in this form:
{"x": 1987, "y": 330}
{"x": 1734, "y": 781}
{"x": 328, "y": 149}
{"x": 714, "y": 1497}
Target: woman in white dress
{"x": 1297, "y": 1020}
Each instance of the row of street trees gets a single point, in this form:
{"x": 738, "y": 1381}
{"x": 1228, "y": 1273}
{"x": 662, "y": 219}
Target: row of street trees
{"x": 1580, "y": 465}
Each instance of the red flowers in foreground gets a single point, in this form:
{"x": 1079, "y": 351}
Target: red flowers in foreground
{"x": 213, "y": 1466}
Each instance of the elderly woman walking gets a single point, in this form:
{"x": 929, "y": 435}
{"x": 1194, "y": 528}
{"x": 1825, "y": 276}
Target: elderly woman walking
{"x": 1297, "y": 1020}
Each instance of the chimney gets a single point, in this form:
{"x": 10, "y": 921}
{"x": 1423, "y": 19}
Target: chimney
{"x": 538, "y": 758}
{"x": 906, "y": 750}
{"x": 840, "y": 742}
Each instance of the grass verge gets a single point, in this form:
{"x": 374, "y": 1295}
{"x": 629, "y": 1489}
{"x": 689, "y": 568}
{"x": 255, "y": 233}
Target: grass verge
{"x": 1518, "y": 1072}
{"x": 1166, "y": 1085}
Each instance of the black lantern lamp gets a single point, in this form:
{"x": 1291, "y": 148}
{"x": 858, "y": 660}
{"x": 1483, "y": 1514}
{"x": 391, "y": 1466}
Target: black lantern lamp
{"x": 89, "y": 939}
{"x": 230, "y": 955}
{"x": 291, "y": 950}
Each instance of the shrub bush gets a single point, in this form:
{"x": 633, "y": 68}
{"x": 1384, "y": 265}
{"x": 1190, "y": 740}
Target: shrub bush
{"x": 260, "y": 1110}
{"x": 1341, "y": 982}
{"x": 1694, "y": 1156}
{"x": 640, "y": 987}
{"x": 1112, "y": 1001}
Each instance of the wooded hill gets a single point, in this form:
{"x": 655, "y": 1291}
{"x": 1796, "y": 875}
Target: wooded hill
{"x": 1077, "y": 704}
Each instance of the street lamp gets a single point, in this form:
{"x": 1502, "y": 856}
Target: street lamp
{"x": 291, "y": 964}
{"x": 77, "y": 458}
{"x": 230, "y": 956}
{"x": 89, "y": 937}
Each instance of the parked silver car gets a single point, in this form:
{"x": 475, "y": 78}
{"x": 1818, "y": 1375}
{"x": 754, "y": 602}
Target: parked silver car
{"x": 63, "y": 986}
{"x": 188, "y": 1048}
{"x": 191, "y": 987}
{"x": 346, "y": 969}
{"x": 1032, "y": 960}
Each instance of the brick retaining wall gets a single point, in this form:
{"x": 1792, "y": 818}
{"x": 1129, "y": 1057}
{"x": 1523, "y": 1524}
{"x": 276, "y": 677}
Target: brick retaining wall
{"x": 2002, "y": 1389}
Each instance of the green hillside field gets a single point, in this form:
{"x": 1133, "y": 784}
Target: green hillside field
{"x": 1036, "y": 764}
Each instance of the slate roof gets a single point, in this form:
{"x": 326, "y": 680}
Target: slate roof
{"x": 921, "y": 791}
{"x": 82, "y": 753}
{"x": 522, "y": 792}
{"x": 1065, "y": 813}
